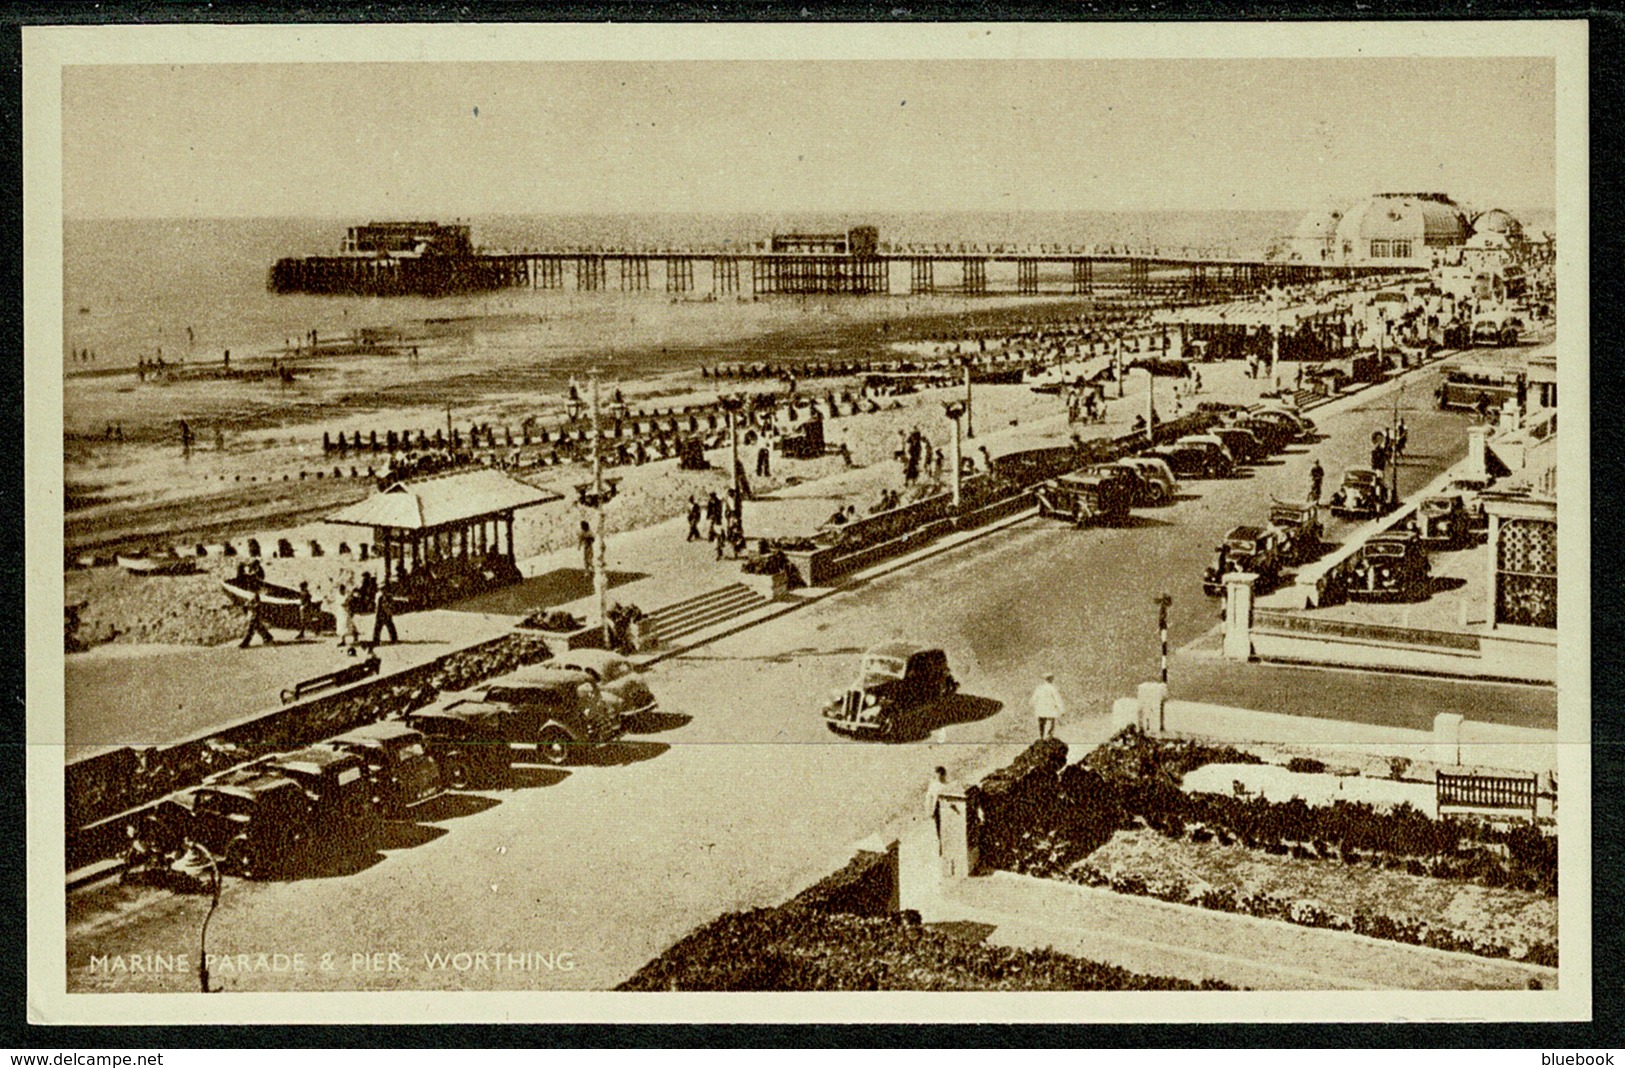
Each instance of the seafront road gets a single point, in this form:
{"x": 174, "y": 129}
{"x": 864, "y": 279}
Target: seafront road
{"x": 735, "y": 795}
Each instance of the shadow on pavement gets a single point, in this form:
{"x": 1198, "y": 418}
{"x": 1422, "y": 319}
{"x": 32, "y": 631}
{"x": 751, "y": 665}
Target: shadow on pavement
{"x": 528, "y": 776}
{"x": 1443, "y": 584}
{"x": 327, "y": 860}
{"x": 398, "y": 835}
{"x": 1139, "y": 522}
{"x": 950, "y": 711}
{"x": 451, "y": 806}
{"x": 657, "y": 722}
{"x": 620, "y": 754}
{"x": 541, "y": 591}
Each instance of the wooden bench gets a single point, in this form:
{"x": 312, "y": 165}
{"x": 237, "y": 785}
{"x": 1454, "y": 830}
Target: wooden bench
{"x": 342, "y": 677}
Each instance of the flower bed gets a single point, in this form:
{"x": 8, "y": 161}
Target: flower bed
{"x": 1048, "y": 820}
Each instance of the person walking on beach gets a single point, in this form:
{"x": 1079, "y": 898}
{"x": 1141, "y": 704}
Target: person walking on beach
{"x": 693, "y": 519}
{"x": 256, "y": 625}
{"x": 1047, "y": 706}
{"x": 585, "y": 540}
{"x": 305, "y": 621}
{"x": 384, "y": 618}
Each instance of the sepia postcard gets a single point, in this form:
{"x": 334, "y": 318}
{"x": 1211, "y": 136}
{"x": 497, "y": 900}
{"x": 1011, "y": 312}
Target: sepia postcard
{"x": 1009, "y": 522}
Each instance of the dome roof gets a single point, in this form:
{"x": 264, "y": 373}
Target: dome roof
{"x": 1499, "y": 222}
{"x": 1420, "y": 218}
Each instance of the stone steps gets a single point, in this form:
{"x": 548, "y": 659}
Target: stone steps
{"x": 685, "y": 617}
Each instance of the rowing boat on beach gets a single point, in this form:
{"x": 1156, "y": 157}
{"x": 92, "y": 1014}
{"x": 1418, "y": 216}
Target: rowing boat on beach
{"x": 149, "y": 564}
{"x": 279, "y": 605}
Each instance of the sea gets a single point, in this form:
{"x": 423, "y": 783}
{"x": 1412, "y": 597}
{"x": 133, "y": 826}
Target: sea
{"x": 196, "y": 287}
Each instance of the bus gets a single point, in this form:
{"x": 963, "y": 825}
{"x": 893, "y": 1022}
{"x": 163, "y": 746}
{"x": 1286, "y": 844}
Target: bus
{"x": 1471, "y": 387}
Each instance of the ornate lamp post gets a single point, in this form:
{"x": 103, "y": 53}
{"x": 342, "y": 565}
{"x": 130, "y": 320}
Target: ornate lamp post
{"x": 953, "y": 409}
{"x": 734, "y": 405}
{"x": 595, "y": 494}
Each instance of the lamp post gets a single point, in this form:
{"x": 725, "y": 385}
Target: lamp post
{"x": 1150, "y": 405}
{"x": 734, "y": 405}
{"x": 953, "y": 409}
{"x": 970, "y": 426}
{"x": 595, "y": 494}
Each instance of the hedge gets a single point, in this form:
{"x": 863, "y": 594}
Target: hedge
{"x": 794, "y": 947}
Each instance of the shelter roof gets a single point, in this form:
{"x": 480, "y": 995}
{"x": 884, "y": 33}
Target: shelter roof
{"x": 443, "y": 500}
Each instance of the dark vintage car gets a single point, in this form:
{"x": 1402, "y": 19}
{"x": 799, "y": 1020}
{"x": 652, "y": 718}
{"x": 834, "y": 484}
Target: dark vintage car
{"x": 1274, "y": 434}
{"x": 1299, "y": 426}
{"x": 1441, "y": 521}
{"x": 613, "y": 673}
{"x": 1087, "y": 498}
{"x": 1364, "y": 494}
{"x": 1245, "y": 550}
{"x": 400, "y": 770}
{"x": 894, "y": 679}
{"x": 1392, "y": 565}
{"x": 1243, "y": 444}
{"x": 1139, "y": 486}
{"x": 252, "y": 826}
{"x": 1193, "y": 462}
{"x": 466, "y": 741}
{"x": 340, "y": 814}
{"x": 1299, "y": 524}
{"x": 559, "y": 714}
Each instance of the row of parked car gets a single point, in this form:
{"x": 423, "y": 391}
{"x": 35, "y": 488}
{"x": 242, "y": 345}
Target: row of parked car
{"x": 1394, "y": 564}
{"x": 1105, "y": 493}
{"x": 310, "y": 804}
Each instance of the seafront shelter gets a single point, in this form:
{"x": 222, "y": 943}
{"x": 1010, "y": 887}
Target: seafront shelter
{"x": 446, "y": 536}
{"x": 1231, "y": 330}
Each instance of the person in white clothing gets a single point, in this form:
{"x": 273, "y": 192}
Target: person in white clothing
{"x": 1047, "y": 706}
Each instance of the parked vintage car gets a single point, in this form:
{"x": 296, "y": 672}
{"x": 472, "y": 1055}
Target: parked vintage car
{"x": 1440, "y": 521}
{"x": 1299, "y": 524}
{"x": 560, "y": 714}
{"x": 1243, "y": 444}
{"x": 1135, "y": 486}
{"x": 1189, "y": 461}
{"x": 1086, "y": 498}
{"x": 1160, "y": 485}
{"x": 465, "y": 740}
{"x": 1364, "y": 494}
{"x": 400, "y": 770}
{"x": 1275, "y": 434}
{"x": 1391, "y": 565}
{"x": 1213, "y": 443}
{"x": 1301, "y": 427}
{"x": 894, "y": 680}
{"x": 613, "y": 673}
{"x": 1471, "y": 491}
{"x": 336, "y": 783}
{"x": 1254, "y": 550}
{"x": 251, "y": 826}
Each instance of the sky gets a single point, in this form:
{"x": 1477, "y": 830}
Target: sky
{"x": 469, "y": 139}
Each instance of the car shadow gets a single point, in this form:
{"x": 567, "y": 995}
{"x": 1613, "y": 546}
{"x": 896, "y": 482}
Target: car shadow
{"x": 620, "y": 754}
{"x": 951, "y": 711}
{"x": 1139, "y": 522}
{"x": 1185, "y": 497}
{"x": 326, "y": 860}
{"x": 396, "y": 834}
{"x": 657, "y": 722}
{"x": 451, "y": 806}
{"x": 531, "y": 776}
{"x": 1438, "y": 584}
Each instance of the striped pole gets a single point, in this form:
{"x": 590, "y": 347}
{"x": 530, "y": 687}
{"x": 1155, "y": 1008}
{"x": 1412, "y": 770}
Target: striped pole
{"x": 1162, "y": 603}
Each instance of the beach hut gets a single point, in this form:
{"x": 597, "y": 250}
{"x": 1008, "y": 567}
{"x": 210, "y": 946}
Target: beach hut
{"x": 446, "y": 536}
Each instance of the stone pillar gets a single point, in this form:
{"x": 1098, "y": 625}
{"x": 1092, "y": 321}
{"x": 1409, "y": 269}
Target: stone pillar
{"x": 1126, "y": 714}
{"x": 1152, "y": 697}
{"x": 1447, "y": 739}
{"x": 1238, "y": 615}
{"x": 956, "y": 837}
{"x": 1476, "y": 465}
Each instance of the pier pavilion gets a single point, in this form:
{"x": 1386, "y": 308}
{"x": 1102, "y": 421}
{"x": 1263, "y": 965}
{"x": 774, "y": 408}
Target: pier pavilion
{"x": 446, "y": 536}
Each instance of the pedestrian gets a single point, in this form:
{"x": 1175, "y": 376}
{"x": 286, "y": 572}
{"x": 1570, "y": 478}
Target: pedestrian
{"x": 1047, "y": 706}
{"x": 933, "y": 798}
{"x": 713, "y": 517}
{"x": 384, "y": 618}
{"x": 343, "y": 625}
{"x": 1399, "y": 439}
{"x": 305, "y": 621}
{"x": 350, "y": 634}
{"x": 1317, "y": 478}
{"x": 693, "y": 519}
{"x": 256, "y": 625}
{"x": 585, "y": 539}
{"x": 762, "y": 462}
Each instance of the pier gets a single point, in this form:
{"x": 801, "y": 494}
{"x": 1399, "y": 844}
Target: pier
{"x": 855, "y": 263}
